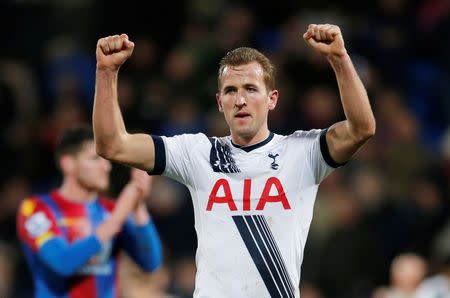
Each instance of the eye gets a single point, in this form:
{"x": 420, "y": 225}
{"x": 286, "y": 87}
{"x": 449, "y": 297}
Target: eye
{"x": 229, "y": 90}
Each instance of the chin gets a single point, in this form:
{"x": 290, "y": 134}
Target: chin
{"x": 101, "y": 187}
{"x": 244, "y": 133}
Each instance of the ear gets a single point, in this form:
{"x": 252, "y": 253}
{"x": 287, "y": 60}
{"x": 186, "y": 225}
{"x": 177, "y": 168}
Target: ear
{"x": 219, "y": 102}
{"x": 67, "y": 164}
{"x": 273, "y": 99}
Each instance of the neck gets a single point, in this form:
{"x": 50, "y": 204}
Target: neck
{"x": 74, "y": 192}
{"x": 250, "y": 140}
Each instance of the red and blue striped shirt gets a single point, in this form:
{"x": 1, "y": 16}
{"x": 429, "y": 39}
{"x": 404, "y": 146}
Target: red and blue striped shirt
{"x": 65, "y": 257}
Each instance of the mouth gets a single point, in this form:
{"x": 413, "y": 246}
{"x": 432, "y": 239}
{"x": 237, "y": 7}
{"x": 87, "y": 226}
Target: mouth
{"x": 241, "y": 115}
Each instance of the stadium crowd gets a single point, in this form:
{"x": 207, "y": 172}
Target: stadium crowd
{"x": 381, "y": 226}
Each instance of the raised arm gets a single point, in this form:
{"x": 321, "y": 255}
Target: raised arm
{"x": 111, "y": 138}
{"x": 346, "y": 137}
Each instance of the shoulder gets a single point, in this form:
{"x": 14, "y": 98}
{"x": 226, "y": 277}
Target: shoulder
{"x": 33, "y": 204}
{"x": 188, "y": 139}
{"x": 36, "y": 223}
{"x": 186, "y": 136}
{"x": 306, "y": 134}
{"x": 303, "y": 137}
{"x": 188, "y": 144}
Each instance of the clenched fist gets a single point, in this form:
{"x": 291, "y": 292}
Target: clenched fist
{"x": 113, "y": 51}
{"x": 326, "y": 38}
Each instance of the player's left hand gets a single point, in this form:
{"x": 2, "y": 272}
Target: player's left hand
{"x": 142, "y": 181}
{"x": 325, "y": 38}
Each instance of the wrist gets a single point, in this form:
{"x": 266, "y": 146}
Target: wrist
{"x": 141, "y": 215}
{"x": 111, "y": 71}
{"x": 107, "y": 230}
{"x": 338, "y": 60}
{"x": 134, "y": 190}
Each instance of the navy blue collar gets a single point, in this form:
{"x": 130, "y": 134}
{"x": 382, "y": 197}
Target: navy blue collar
{"x": 254, "y": 146}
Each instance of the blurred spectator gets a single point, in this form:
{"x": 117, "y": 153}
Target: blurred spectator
{"x": 11, "y": 194}
{"x": 319, "y": 107}
{"x": 7, "y": 263}
{"x": 234, "y": 28}
{"x": 183, "y": 284}
{"x": 429, "y": 214}
{"x": 445, "y": 153}
{"x": 70, "y": 71}
{"x": 405, "y": 157}
{"x": 438, "y": 284}
{"x": 183, "y": 117}
{"x": 349, "y": 261}
{"x": 171, "y": 209}
{"x": 137, "y": 283}
{"x": 407, "y": 272}
{"x": 310, "y": 291}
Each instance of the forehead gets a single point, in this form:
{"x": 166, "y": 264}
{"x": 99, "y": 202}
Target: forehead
{"x": 245, "y": 73}
{"x": 88, "y": 147}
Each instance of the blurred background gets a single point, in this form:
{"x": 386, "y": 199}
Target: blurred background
{"x": 381, "y": 224}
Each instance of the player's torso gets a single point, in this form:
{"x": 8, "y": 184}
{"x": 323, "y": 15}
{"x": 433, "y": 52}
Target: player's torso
{"x": 78, "y": 221}
{"x": 252, "y": 212}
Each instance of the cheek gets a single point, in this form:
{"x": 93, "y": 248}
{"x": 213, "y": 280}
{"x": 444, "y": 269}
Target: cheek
{"x": 95, "y": 176}
{"x": 261, "y": 106}
{"x": 87, "y": 174}
{"x": 93, "y": 171}
{"x": 227, "y": 108}
{"x": 227, "y": 102}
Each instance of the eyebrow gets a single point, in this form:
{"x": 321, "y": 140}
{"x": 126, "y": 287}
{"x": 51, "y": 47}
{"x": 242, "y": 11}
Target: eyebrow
{"x": 250, "y": 85}
{"x": 228, "y": 88}
{"x": 232, "y": 87}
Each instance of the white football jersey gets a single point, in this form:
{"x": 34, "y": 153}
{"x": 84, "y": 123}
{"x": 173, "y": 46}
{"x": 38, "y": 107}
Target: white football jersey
{"x": 253, "y": 207}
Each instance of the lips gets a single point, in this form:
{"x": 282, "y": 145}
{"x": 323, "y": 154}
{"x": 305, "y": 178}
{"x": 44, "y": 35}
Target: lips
{"x": 241, "y": 115}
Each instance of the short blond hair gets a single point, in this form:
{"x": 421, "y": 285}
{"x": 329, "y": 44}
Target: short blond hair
{"x": 244, "y": 55}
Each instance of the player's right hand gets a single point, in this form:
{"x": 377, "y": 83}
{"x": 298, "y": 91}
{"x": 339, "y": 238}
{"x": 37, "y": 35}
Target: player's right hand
{"x": 325, "y": 38}
{"x": 113, "y": 51}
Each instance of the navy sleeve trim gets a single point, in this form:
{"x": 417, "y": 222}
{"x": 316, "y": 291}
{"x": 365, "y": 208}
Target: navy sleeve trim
{"x": 160, "y": 156}
{"x": 326, "y": 151}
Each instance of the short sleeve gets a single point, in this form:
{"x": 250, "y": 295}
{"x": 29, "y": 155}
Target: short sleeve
{"x": 173, "y": 156}
{"x": 36, "y": 224}
{"x": 317, "y": 154}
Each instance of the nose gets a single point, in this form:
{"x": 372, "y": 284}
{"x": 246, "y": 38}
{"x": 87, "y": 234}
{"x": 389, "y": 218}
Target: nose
{"x": 241, "y": 99}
